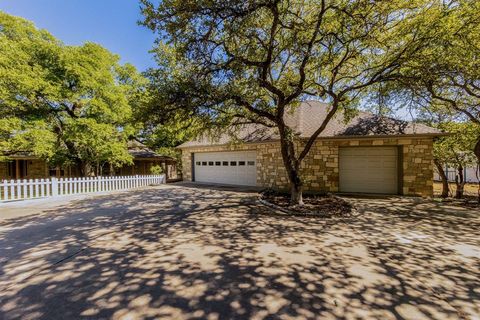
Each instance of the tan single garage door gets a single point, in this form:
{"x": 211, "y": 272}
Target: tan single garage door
{"x": 368, "y": 170}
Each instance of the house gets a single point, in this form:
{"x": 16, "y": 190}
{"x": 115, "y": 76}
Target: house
{"x": 23, "y": 165}
{"x": 367, "y": 154}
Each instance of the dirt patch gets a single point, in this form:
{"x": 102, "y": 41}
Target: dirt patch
{"x": 326, "y": 206}
{"x": 469, "y": 202}
{"x": 470, "y": 189}
{"x": 470, "y": 195}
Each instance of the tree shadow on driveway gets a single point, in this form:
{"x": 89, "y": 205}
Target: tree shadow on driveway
{"x": 184, "y": 252}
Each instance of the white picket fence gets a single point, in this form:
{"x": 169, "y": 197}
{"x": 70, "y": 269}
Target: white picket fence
{"x": 40, "y": 188}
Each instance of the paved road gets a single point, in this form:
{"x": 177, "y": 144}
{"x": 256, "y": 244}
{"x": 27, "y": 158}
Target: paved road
{"x": 179, "y": 252}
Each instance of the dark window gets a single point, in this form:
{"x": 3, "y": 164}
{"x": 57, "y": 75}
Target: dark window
{"x": 22, "y": 169}
{"x": 241, "y": 163}
{"x": 233, "y": 163}
{"x": 251, "y": 163}
{"x": 210, "y": 163}
{"x": 204, "y": 163}
{"x": 53, "y": 172}
{"x": 225, "y": 163}
{"x": 198, "y": 163}
{"x": 217, "y": 163}
{"x": 12, "y": 168}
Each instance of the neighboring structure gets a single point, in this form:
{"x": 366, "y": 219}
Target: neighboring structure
{"x": 470, "y": 174}
{"x": 368, "y": 154}
{"x": 25, "y": 166}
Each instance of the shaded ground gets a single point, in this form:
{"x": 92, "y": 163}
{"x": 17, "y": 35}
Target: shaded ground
{"x": 470, "y": 189}
{"x": 183, "y": 252}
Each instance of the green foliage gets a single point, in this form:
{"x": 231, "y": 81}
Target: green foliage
{"x": 156, "y": 169}
{"x": 227, "y": 59}
{"x": 455, "y": 149}
{"x": 33, "y": 136}
{"x": 443, "y": 78}
{"x": 66, "y": 104}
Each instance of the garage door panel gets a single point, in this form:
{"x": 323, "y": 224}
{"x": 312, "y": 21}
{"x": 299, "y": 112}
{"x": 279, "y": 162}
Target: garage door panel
{"x": 236, "y": 168}
{"x": 368, "y": 170}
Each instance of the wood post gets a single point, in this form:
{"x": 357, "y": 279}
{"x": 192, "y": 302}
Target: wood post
{"x": 17, "y": 169}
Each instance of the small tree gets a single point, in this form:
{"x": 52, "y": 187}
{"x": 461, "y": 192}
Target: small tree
{"x": 252, "y": 62}
{"x": 455, "y": 151}
{"x": 446, "y": 73}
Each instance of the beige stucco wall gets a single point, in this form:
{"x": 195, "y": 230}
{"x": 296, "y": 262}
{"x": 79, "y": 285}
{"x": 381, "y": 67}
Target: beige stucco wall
{"x": 320, "y": 167}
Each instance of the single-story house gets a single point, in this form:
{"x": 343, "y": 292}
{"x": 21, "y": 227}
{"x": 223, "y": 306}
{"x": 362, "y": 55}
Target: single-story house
{"x": 365, "y": 154}
{"x": 23, "y": 165}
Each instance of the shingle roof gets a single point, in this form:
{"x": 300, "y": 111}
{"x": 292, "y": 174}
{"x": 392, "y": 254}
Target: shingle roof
{"x": 135, "y": 148}
{"x": 308, "y": 116}
{"x": 140, "y": 151}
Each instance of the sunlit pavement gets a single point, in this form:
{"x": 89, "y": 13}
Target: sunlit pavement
{"x": 176, "y": 252}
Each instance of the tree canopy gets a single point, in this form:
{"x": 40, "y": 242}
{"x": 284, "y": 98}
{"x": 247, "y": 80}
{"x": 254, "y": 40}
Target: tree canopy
{"x": 445, "y": 75}
{"x": 66, "y": 104}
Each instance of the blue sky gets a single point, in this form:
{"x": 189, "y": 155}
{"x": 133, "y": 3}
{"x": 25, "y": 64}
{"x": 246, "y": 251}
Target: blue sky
{"x": 111, "y": 23}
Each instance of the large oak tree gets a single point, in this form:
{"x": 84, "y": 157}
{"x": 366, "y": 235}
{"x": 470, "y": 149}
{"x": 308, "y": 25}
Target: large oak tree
{"x": 65, "y": 104}
{"x": 225, "y": 60}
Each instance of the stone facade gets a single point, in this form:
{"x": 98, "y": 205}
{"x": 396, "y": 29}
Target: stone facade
{"x": 320, "y": 169}
{"x": 35, "y": 169}
{"x": 3, "y": 170}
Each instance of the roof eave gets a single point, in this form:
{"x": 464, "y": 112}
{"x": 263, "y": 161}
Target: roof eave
{"x": 154, "y": 158}
{"x": 397, "y": 136}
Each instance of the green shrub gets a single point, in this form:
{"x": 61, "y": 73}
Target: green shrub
{"x": 156, "y": 169}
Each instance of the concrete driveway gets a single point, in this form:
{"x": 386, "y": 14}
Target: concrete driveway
{"x": 175, "y": 252}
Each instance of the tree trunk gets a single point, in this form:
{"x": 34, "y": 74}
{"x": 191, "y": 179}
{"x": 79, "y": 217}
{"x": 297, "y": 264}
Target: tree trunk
{"x": 296, "y": 189}
{"x": 476, "y": 150}
{"x": 459, "y": 181}
{"x": 87, "y": 169}
{"x": 292, "y": 166}
{"x": 443, "y": 176}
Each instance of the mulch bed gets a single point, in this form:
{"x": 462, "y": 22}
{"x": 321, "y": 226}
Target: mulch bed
{"x": 327, "y": 206}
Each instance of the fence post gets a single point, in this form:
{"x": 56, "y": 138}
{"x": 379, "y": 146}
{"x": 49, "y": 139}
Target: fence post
{"x": 12, "y": 189}
{"x": 37, "y": 189}
{"x": 30, "y": 188}
{"x": 54, "y": 187}
{"x": 5, "y": 189}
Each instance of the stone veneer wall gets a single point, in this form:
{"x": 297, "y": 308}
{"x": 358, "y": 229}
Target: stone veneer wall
{"x": 36, "y": 169}
{"x": 320, "y": 167}
{"x": 3, "y": 170}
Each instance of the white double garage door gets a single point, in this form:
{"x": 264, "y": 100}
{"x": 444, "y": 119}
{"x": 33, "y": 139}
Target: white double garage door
{"x": 361, "y": 169}
{"x": 231, "y": 168}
